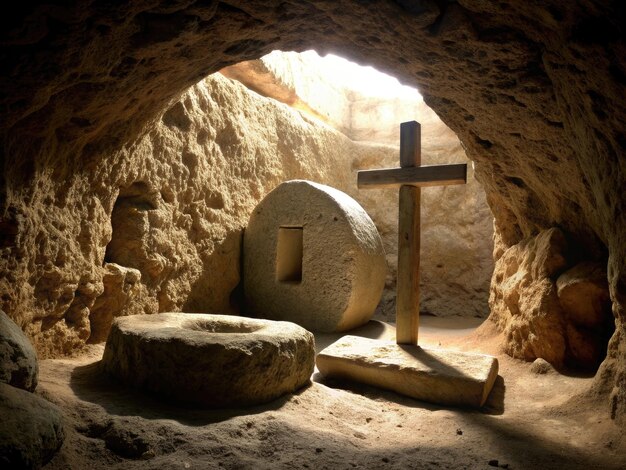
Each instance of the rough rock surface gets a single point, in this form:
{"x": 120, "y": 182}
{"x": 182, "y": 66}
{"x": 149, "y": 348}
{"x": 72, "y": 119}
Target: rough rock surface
{"x": 18, "y": 359}
{"x": 121, "y": 295}
{"x": 584, "y": 296}
{"x": 340, "y": 261}
{"x": 456, "y": 263}
{"x": 534, "y": 91}
{"x": 299, "y": 81}
{"x": 210, "y": 360}
{"x": 541, "y": 367}
{"x": 547, "y": 310}
{"x": 177, "y": 201}
{"x": 31, "y": 429}
{"x": 584, "y": 293}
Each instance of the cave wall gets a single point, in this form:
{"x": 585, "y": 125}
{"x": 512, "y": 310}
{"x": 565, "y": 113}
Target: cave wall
{"x": 534, "y": 91}
{"x": 173, "y": 205}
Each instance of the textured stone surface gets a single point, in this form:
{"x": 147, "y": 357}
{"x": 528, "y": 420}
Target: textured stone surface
{"x": 210, "y": 360}
{"x": 537, "y": 295}
{"x": 524, "y": 302}
{"x": 298, "y": 81}
{"x": 18, "y": 359}
{"x": 436, "y": 376}
{"x": 534, "y": 92}
{"x": 177, "y": 201}
{"x": 584, "y": 293}
{"x": 456, "y": 262}
{"x": 121, "y": 290}
{"x": 341, "y": 260}
{"x": 584, "y": 296}
{"x": 541, "y": 367}
{"x": 31, "y": 429}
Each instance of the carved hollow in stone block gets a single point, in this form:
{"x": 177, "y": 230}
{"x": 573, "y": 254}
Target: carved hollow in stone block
{"x": 432, "y": 375}
{"x": 289, "y": 254}
{"x": 211, "y": 360}
{"x": 314, "y": 257}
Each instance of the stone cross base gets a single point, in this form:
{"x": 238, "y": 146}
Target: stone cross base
{"x": 436, "y": 376}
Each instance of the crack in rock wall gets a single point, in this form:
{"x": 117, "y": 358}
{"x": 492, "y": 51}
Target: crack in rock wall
{"x": 535, "y": 93}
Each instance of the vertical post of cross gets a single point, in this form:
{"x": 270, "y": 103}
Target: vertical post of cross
{"x": 408, "y": 280}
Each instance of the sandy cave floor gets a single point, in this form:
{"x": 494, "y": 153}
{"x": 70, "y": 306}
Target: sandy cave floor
{"x": 530, "y": 421}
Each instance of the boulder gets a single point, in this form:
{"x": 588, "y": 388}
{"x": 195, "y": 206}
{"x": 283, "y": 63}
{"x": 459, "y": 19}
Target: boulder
{"x": 541, "y": 367}
{"x": 584, "y": 294}
{"x": 31, "y": 429}
{"x": 524, "y": 302}
{"x": 210, "y": 360}
{"x": 548, "y": 309}
{"x": 314, "y": 257}
{"x": 18, "y": 359}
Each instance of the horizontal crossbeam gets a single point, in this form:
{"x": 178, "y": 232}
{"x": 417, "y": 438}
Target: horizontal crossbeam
{"x": 426, "y": 175}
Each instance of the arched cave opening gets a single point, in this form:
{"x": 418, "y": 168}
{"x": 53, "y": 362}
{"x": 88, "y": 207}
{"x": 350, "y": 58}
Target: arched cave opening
{"x": 367, "y": 107}
{"x": 92, "y": 105}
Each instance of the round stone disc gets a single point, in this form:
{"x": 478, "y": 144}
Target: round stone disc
{"x": 312, "y": 256}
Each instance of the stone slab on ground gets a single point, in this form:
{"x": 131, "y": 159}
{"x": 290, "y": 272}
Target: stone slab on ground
{"x": 31, "y": 429}
{"x": 436, "y": 376}
{"x": 211, "y": 360}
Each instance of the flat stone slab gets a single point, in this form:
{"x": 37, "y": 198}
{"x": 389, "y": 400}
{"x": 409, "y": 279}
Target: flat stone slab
{"x": 211, "y": 360}
{"x": 436, "y": 376}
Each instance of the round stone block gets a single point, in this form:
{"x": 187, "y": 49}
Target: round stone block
{"x": 312, "y": 256}
{"x": 210, "y": 360}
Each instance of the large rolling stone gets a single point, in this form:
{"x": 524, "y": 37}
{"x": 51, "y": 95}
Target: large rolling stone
{"x": 211, "y": 360}
{"x": 312, "y": 256}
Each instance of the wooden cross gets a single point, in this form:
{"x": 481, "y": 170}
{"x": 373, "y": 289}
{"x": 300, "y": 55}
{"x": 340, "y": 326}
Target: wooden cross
{"x": 410, "y": 177}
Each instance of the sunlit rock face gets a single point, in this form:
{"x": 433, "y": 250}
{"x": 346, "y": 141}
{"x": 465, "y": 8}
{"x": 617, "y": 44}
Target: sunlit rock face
{"x": 535, "y": 93}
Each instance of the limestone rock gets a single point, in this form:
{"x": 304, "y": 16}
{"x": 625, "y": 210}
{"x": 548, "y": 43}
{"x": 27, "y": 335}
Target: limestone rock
{"x": 535, "y": 295}
{"x": 295, "y": 79}
{"x": 31, "y": 429}
{"x": 437, "y": 376}
{"x": 18, "y": 359}
{"x": 524, "y": 302}
{"x": 211, "y": 360}
{"x": 121, "y": 296}
{"x": 584, "y": 294}
{"x": 541, "y": 366}
{"x": 312, "y": 256}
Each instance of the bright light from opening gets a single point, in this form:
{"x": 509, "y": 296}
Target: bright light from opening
{"x": 364, "y": 80}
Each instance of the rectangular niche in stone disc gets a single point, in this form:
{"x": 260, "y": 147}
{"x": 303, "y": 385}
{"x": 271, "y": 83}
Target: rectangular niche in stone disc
{"x": 289, "y": 254}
